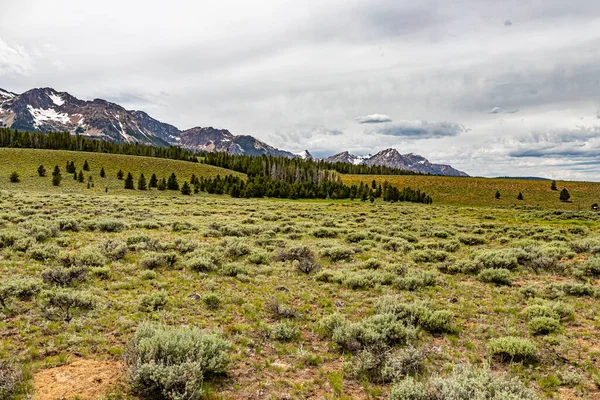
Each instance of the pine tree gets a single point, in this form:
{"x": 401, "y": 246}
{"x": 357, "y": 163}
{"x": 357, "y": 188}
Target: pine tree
{"x": 129, "y": 181}
{"x": 497, "y": 194}
{"x": 520, "y": 196}
{"x": 553, "y": 186}
{"x": 162, "y": 185}
{"x": 86, "y": 166}
{"x": 153, "y": 181}
{"x": 70, "y": 167}
{"x": 102, "y": 173}
{"x": 80, "y": 177}
{"x": 14, "y": 177}
{"x": 172, "y": 182}
{"x": 120, "y": 175}
{"x": 185, "y": 189}
{"x": 564, "y": 195}
{"x": 193, "y": 180}
{"x": 142, "y": 183}
{"x": 56, "y": 176}
{"x": 74, "y": 176}
{"x": 41, "y": 171}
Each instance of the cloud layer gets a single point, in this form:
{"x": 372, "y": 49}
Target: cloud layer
{"x": 522, "y": 76}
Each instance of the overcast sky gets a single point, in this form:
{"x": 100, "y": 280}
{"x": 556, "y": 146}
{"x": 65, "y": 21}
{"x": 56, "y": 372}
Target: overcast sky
{"x": 492, "y": 87}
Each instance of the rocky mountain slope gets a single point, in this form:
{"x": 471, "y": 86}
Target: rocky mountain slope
{"x": 47, "y": 110}
{"x": 393, "y": 159}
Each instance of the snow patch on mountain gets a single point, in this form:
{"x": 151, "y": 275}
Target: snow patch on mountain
{"x": 40, "y": 116}
{"x": 56, "y": 99}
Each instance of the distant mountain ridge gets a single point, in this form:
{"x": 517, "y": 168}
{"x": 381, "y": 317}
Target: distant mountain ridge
{"x": 47, "y": 110}
{"x": 393, "y": 159}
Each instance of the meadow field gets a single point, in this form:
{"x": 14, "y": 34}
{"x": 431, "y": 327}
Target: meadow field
{"x": 145, "y": 294}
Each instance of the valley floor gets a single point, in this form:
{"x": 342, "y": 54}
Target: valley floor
{"x": 432, "y": 287}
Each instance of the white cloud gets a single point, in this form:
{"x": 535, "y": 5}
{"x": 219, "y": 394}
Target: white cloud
{"x": 373, "y": 119}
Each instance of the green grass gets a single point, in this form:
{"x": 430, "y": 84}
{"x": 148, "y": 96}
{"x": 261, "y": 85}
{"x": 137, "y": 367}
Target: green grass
{"x": 26, "y": 161}
{"x": 409, "y": 253}
{"x": 481, "y": 191}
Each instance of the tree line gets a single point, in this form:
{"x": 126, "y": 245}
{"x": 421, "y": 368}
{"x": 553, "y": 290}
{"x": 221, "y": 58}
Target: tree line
{"x": 65, "y": 141}
{"x": 294, "y": 170}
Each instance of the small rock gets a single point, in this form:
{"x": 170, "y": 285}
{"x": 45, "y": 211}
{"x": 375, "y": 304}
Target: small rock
{"x": 282, "y": 289}
{"x": 194, "y": 296}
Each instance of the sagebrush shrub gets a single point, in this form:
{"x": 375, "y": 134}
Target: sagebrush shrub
{"x": 398, "y": 245}
{"x": 417, "y": 313}
{"x": 499, "y": 276}
{"x": 510, "y": 348}
{"x": 114, "y": 249}
{"x": 173, "y": 362}
{"x": 338, "y": 253}
{"x": 107, "y": 225}
{"x": 416, "y": 279}
{"x": 10, "y": 378}
{"x": 153, "y": 301}
{"x": 284, "y": 331}
{"x": 22, "y": 289}
{"x": 429, "y": 255}
{"x": 43, "y": 252}
{"x": 543, "y": 325}
{"x": 65, "y": 276}
{"x": 233, "y": 269}
{"x": 463, "y": 383}
{"x": 503, "y": 258}
{"x": 200, "y": 263}
{"x": 158, "y": 260}
{"x": 212, "y": 301}
{"x": 61, "y": 302}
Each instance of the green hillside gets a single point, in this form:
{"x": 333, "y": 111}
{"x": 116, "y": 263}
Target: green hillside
{"x": 26, "y": 162}
{"x": 481, "y": 191}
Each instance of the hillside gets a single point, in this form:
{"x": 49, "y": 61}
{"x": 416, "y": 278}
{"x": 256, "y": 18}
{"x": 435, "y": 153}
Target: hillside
{"x": 463, "y": 191}
{"x": 26, "y": 161}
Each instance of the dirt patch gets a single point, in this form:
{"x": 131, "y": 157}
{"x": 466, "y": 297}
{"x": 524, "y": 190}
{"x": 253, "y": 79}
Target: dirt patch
{"x": 86, "y": 379}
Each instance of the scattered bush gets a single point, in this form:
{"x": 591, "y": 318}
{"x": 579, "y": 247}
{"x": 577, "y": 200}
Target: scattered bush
{"x": 153, "y": 301}
{"x": 60, "y": 302}
{"x": 10, "y": 378}
{"x": 323, "y": 233}
{"x": 338, "y": 253}
{"x": 543, "y": 325}
{"x": 499, "y": 276}
{"x": 158, "y": 260}
{"x": 284, "y": 331}
{"x": 173, "y": 362}
{"x": 417, "y": 313}
{"x": 416, "y": 279}
{"x": 107, "y": 225}
{"x": 398, "y": 245}
{"x": 471, "y": 240}
{"x": 212, "y": 301}
{"x": 463, "y": 383}
{"x": 22, "y": 289}
{"x": 511, "y": 348}
{"x": 114, "y": 250}
{"x": 43, "y": 252}
{"x": 429, "y": 255}
{"x": 65, "y": 276}
{"x": 101, "y": 272}
{"x": 201, "y": 263}
{"x": 503, "y": 258}
{"x": 233, "y": 269}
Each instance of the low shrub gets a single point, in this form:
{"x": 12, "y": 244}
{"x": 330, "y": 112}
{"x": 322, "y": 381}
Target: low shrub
{"x": 416, "y": 279}
{"x": 43, "y": 252}
{"x": 22, "y": 289}
{"x": 323, "y": 233}
{"x": 463, "y": 383}
{"x": 398, "y": 245}
{"x": 499, "y": 276}
{"x": 172, "y": 362}
{"x": 259, "y": 258}
{"x": 158, "y": 260}
{"x": 233, "y": 269}
{"x": 10, "y": 379}
{"x": 148, "y": 274}
{"x": 510, "y": 348}
{"x": 212, "y": 301}
{"x": 201, "y": 263}
{"x": 114, "y": 249}
{"x": 107, "y": 225}
{"x": 591, "y": 267}
{"x": 471, "y": 240}
{"x": 62, "y": 303}
{"x": 429, "y": 255}
{"x": 338, "y": 253}
{"x": 417, "y": 313}
{"x": 184, "y": 245}
{"x": 101, "y": 272}
{"x": 65, "y": 276}
{"x": 284, "y": 331}
{"x": 577, "y": 289}
{"x": 279, "y": 310}
{"x": 153, "y": 301}
{"x": 543, "y": 325}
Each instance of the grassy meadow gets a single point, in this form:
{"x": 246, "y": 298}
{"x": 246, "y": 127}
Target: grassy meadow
{"x": 461, "y": 191}
{"x": 206, "y": 296}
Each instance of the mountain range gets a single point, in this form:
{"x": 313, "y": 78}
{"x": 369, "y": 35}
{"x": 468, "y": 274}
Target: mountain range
{"x": 47, "y": 110}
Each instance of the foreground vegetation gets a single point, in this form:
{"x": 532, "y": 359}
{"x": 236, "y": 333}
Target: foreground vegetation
{"x": 341, "y": 300}
{"x": 208, "y": 296}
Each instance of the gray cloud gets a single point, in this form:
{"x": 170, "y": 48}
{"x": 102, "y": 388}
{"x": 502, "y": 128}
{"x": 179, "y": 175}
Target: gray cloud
{"x": 508, "y": 22}
{"x": 373, "y": 119}
{"x": 421, "y": 129}
{"x": 296, "y": 74}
